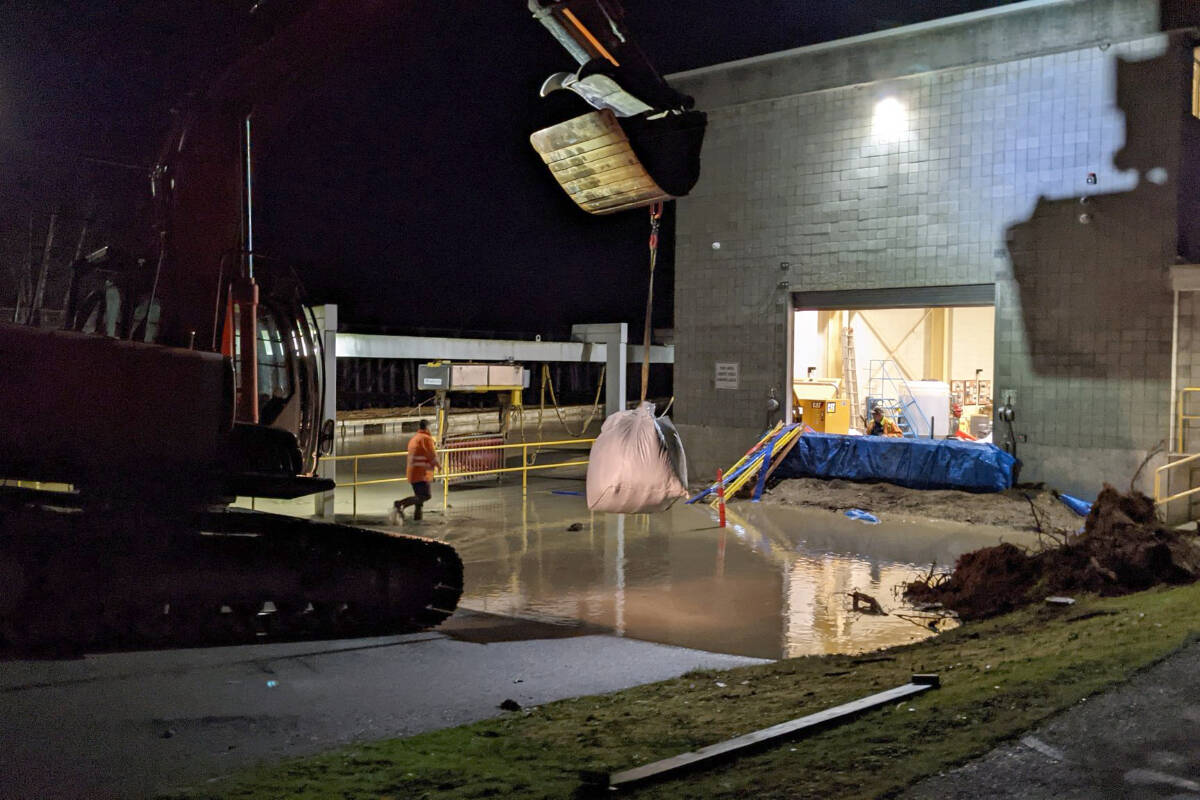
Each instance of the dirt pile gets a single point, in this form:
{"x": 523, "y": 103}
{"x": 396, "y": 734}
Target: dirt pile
{"x": 1122, "y": 549}
{"x": 1010, "y": 509}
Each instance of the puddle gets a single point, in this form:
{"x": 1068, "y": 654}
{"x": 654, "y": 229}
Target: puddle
{"x": 775, "y": 583}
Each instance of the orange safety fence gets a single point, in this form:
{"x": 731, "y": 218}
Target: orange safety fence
{"x": 465, "y": 454}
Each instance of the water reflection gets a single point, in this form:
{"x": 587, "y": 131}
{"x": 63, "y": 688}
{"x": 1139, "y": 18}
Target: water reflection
{"x": 775, "y": 583}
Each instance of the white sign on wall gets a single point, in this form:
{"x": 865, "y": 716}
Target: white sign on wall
{"x": 727, "y": 375}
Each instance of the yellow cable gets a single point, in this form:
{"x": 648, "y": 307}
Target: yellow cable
{"x": 547, "y": 381}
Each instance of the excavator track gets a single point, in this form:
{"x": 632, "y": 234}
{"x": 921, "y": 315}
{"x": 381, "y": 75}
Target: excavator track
{"x": 76, "y": 578}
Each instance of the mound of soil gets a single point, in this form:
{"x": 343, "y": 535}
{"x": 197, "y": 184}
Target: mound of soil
{"x": 1009, "y": 508}
{"x": 1122, "y": 549}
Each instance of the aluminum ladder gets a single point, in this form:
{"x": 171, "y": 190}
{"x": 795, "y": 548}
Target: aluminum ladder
{"x": 850, "y": 374}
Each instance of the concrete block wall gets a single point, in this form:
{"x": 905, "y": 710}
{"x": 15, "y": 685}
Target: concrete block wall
{"x": 803, "y": 192}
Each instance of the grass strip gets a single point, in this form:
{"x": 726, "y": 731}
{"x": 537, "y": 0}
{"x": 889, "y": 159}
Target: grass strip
{"x": 999, "y": 678}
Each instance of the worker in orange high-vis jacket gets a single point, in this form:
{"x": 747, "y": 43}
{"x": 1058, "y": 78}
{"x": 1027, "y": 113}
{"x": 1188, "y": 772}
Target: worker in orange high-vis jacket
{"x": 422, "y": 461}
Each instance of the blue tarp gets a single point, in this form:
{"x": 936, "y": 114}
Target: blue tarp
{"x": 916, "y": 463}
{"x": 1080, "y": 507}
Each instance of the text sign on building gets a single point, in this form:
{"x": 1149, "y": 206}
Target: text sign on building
{"x": 727, "y": 375}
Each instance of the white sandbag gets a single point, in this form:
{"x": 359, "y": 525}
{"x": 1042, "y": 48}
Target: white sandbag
{"x": 637, "y": 465}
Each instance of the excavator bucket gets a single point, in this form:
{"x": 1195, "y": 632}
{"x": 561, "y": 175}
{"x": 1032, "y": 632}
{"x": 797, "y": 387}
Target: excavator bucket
{"x": 606, "y": 168}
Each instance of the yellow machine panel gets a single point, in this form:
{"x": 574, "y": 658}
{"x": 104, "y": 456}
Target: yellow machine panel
{"x": 816, "y": 403}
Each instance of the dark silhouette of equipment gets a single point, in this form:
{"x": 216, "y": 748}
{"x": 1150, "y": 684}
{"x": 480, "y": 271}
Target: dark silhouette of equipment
{"x": 641, "y": 145}
{"x": 189, "y": 373}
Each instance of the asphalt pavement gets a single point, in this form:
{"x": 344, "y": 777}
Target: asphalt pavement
{"x": 127, "y": 725}
{"x": 1140, "y": 740}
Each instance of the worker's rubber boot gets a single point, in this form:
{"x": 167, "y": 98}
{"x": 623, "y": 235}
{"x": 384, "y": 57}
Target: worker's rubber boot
{"x": 417, "y": 511}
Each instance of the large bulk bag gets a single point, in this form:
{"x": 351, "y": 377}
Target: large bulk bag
{"x": 637, "y": 464}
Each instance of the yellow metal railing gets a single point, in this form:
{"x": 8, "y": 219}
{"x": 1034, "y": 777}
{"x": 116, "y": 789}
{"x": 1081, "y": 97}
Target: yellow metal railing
{"x": 44, "y": 486}
{"x": 1182, "y": 417}
{"x": 1159, "y": 474}
{"x": 445, "y": 478}
{"x": 1163, "y": 470}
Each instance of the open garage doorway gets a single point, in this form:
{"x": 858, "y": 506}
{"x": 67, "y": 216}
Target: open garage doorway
{"x": 925, "y": 355}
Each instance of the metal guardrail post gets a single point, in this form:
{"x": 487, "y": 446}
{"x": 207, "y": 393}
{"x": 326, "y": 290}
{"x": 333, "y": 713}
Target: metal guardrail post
{"x": 1182, "y": 417}
{"x": 1163, "y": 470}
{"x": 525, "y": 468}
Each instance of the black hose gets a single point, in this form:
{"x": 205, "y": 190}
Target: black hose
{"x": 1033, "y": 508}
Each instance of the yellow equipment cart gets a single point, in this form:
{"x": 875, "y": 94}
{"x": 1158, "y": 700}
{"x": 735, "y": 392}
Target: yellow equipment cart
{"x": 819, "y": 405}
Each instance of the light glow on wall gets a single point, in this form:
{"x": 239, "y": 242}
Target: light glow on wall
{"x": 890, "y": 123}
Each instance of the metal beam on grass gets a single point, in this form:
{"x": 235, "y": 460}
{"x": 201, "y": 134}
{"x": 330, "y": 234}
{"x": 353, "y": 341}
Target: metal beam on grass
{"x": 705, "y": 756}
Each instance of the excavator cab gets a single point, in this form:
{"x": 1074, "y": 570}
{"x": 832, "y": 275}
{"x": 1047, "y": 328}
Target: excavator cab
{"x": 111, "y": 297}
{"x": 641, "y": 144}
{"x": 288, "y": 380}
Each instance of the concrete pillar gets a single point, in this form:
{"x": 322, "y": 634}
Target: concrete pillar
{"x": 615, "y": 338}
{"x": 829, "y": 326}
{"x": 326, "y": 317}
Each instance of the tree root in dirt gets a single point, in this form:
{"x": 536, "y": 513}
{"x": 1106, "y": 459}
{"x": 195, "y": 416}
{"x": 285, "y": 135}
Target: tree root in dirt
{"x": 1123, "y": 549}
{"x": 865, "y": 604}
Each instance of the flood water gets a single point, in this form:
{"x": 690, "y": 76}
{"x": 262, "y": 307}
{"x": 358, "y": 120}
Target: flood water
{"x": 774, "y": 583}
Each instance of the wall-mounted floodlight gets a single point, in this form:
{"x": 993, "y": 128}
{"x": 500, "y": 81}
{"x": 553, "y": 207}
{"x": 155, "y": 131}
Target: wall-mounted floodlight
{"x": 890, "y": 123}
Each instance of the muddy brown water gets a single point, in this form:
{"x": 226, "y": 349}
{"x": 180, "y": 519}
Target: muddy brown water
{"x": 774, "y": 583}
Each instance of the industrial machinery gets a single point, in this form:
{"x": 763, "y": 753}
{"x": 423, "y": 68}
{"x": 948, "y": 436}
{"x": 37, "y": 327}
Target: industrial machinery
{"x": 463, "y": 448}
{"x": 817, "y": 402}
{"x": 447, "y": 376}
{"x": 188, "y": 373}
{"x": 444, "y": 377}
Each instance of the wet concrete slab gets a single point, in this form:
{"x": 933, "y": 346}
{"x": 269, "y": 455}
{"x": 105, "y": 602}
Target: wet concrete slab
{"x": 774, "y": 583}
{"x": 562, "y": 600}
{"x": 127, "y": 725}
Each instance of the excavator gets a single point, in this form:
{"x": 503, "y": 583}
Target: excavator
{"x": 188, "y": 371}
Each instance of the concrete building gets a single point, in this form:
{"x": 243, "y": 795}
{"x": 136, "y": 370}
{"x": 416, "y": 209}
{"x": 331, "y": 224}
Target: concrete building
{"x": 1040, "y": 159}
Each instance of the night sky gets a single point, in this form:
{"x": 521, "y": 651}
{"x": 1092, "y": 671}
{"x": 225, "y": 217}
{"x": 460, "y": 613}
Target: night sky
{"x": 405, "y": 188}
